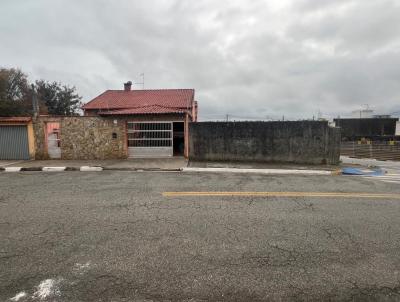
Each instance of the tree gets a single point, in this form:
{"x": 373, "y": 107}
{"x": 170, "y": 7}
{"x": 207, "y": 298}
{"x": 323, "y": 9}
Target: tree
{"x": 14, "y": 93}
{"x": 59, "y": 99}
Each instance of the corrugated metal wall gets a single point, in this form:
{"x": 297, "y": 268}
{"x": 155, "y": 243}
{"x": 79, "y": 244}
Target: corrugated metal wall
{"x": 14, "y": 142}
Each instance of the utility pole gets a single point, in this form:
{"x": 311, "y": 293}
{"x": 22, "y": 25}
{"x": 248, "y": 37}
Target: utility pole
{"x": 227, "y": 118}
{"x": 35, "y": 104}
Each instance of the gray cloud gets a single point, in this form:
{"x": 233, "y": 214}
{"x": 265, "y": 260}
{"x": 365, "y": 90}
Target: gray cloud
{"x": 258, "y": 59}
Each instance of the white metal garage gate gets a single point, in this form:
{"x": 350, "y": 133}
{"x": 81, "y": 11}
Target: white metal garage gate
{"x": 150, "y": 139}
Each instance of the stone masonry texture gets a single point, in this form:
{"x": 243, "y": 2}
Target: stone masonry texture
{"x": 84, "y": 137}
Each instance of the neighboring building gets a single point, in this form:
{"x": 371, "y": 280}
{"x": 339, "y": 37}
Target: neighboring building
{"x": 373, "y": 128}
{"x": 156, "y": 121}
{"x": 16, "y": 138}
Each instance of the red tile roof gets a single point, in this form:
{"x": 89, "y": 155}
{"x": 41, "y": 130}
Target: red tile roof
{"x": 14, "y": 119}
{"x": 143, "y": 101}
{"x": 152, "y": 109}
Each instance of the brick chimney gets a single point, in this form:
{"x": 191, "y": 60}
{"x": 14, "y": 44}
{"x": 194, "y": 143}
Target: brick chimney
{"x": 128, "y": 86}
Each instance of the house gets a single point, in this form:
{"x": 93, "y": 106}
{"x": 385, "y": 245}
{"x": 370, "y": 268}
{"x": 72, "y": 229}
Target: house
{"x": 155, "y": 121}
{"x": 117, "y": 124}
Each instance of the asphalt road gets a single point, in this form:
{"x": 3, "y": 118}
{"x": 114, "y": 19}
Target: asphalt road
{"x": 114, "y": 236}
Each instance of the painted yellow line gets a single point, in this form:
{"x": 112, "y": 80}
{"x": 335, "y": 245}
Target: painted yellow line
{"x": 285, "y": 194}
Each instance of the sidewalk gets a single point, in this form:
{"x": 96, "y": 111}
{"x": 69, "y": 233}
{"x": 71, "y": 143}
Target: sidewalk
{"x": 370, "y": 162}
{"x": 389, "y": 166}
{"x": 182, "y": 164}
{"x": 261, "y": 168}
{"x": 258, "y": 165}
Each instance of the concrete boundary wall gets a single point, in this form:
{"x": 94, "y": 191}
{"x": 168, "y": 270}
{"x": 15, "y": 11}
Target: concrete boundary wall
{"x": 302, "y": 142}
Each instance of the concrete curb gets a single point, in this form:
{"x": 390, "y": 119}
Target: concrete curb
{"x": 184, "y": 169}
{"x": 83, "y": 169}
{"x": 262, "y": 171}
{"x": 143, "y": 169}
{"x": 53, "y": 169}
{"x": 50, "y": 169}
{"x": 33, "y": 169}
{"x": 91, "y": 169}
{"x": 12, "y": 169}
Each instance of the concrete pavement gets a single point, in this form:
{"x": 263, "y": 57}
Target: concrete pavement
{"x": 116, "y": 236}
{"x": 256, "y": 165}
{"x": 387, "y": 164}
{"x": 276, "y": 171}
{"x": 391, "y": 168}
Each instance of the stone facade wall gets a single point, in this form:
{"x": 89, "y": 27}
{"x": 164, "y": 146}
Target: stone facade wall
{"x": 303, "y": 142}
{"x": 91, "y": 137}
{"x": 39, "y": 127}
{"x": 84, "y": 137}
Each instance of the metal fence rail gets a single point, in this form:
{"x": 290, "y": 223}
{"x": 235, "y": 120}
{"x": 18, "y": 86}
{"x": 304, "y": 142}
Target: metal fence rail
{"x": 380, "y": 151}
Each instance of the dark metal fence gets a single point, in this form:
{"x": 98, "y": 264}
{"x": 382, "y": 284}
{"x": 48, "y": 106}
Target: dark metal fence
{"x": 376, "y": 150}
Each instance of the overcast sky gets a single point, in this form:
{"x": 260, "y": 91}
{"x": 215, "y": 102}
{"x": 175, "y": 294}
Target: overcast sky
{"x": 250, "y": 59}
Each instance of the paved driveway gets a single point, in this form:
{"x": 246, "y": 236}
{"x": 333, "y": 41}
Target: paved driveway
{"x": 114, "y": 236}
{"x": 8, "y": 163}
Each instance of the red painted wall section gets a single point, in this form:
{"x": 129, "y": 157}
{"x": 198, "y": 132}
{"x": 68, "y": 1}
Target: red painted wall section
{"x": 186, "y": 153}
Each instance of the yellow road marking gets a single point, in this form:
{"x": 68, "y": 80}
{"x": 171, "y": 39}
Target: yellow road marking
{"x": 285, "y": 194}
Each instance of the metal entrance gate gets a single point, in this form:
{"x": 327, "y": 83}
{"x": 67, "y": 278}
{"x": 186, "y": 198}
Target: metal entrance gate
{"x": 53, "y": 140}
{"x": 14, "y": 142}
{"x": 150, "y": 139}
